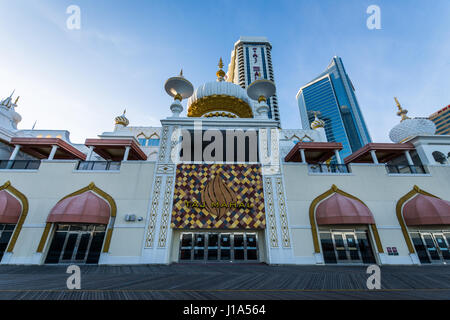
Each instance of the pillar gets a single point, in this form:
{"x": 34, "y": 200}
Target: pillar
{"x": 338, "y": 156}
{"x": 127, "y": 152}
{"x": 53, "y": 152}
{"x": 89, "y": 155}
{"x": 374, "y": 156}
{"x": 14, "y": 153}
{"x": 302, "y": 156}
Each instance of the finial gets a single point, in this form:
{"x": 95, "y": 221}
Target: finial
{"x": 17, "y": 99}
{"x": 220, "y": 74}
{"x": 401, "y": 112}
{"x": 181, "y": 72}
{"x": 124, "y": 111}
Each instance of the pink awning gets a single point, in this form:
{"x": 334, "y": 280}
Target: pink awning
{"x": 84, "y": 208}
{"x": 339, "y": 209}
{"x": 10, "y": 208}
{"x": 426, "y": 210}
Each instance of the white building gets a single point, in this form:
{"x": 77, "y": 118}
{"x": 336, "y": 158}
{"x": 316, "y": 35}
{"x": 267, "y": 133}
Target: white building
{"x": 223, "y": 184}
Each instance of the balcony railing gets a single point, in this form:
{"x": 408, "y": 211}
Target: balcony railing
{"x": 99, "y": 165}
{"x": 20, "y": 164}
{"x": 330, "y": 168}
{"x": 405, "y": 169}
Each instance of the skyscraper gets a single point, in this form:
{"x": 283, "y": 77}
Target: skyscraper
{"x": 441, "y": 119}
{"x": 332, "y": 96}
{"x": 251, "y": 60}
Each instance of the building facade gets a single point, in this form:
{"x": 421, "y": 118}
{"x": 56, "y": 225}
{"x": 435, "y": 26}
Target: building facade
{"x": 251, "y": 60}
{"x": 332, "y": 96}
{"x": 441, "y": 119}
{"x": 223, "y": 184}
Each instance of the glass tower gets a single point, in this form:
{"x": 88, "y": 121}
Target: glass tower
{"x": 332, "y": 95}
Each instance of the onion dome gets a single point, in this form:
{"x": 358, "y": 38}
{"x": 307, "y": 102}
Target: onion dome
{"x": 408, "y": 128}
{"x": 122, "y": 120}
{"x": 220, "y": 96}
{"x": 317, "y": 123}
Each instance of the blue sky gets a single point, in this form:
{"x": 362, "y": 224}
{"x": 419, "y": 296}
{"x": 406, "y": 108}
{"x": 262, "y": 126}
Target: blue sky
{"x": 79, "y": 80}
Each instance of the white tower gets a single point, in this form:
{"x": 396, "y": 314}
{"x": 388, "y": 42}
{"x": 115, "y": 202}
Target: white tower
{"x": 251, "y": 60}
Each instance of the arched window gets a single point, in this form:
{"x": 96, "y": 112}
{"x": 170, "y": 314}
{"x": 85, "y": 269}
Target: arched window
{"x": 439, "y": 157}
{"x": 152, "y": 141}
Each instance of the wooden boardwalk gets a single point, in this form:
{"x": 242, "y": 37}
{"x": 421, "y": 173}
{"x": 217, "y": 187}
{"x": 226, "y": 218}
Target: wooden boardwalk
{"x": 222, "y": 281}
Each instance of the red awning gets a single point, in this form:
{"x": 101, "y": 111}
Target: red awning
{"x": 339, "y": 209}
{"x": 314, "y": 151}
{"x": 83, "y": 208}
{"x": 10, "y": 208}
{"x": 426, "y": 210}
{"x": 114, "y": 149}
{"x": 384, "y": 151}
{"x": 41, "y": 148}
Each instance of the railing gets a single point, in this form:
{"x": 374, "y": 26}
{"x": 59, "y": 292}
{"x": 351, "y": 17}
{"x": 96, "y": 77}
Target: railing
{"x": 20, "y": 164}
{"x": 405, "y": 169}
{"x": 99, "y": 165}
{"x": 328, "y": 168}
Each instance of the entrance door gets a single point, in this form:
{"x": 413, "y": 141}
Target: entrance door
{"x": 76, "y": 244}
{"x": 437, "y": 246}
{"x": 346, "y": 247}
{"x": 6, "y": 230}
{"x": 218, "y": 247}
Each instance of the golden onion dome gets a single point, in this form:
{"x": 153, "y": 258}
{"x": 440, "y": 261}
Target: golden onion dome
{"x": 317, "y": 123}
{"x": 122, "y": 120}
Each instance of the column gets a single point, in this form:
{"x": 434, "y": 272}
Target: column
{"x": 302, "y": 156}
{"x": 338, "y": 156}
{"x": 89, "y": 155}
{"x": 410, "y": 162}
{"x": 53, "y": 152}
{"x": 374, "y": 156}
{"x": 127, "y": 152}
{"x": 14, "y": 153}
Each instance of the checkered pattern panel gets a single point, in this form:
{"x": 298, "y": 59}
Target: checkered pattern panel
{"x": 245, "y": 181}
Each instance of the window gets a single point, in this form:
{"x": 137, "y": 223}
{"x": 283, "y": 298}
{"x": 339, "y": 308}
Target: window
{"x": 153, "y": 142}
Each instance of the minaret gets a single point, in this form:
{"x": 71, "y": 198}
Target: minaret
{"x": 9, "y": 118}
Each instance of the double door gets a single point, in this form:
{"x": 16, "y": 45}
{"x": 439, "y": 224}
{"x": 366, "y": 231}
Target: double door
{"x": 346, "y": 247}
{"x": 218, "y": 247}
{"x": 432, "y": 247}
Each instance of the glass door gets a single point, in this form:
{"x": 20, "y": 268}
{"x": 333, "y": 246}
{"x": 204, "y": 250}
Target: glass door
{"x": 346, "y": 247}
{"x": 6, "y": 231}
{"x": 431, "y": 247}
{"x": 225, "y": 246}
{"x": 442, "y": 246}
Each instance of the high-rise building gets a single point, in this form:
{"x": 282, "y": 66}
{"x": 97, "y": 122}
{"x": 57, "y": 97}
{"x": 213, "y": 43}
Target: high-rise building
{"x": 332, "y": 96}
{"x": 441, "y": 119}
{"x": 251, "y": 60}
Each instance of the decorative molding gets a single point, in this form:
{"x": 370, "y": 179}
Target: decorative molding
{"x": 163, "y": 144}
{"x": 24, "y": 202}
{"x": 312, "y": 218}
{"x": 165, "y": 169}
{"x": 113, "y": 211}
{"x": 283, "y": 213}
{"x": 399, "y": 210}
{"x": 164, "y": 226}
{"x": 153, "y": 212}
{"x": 268, "y": 195}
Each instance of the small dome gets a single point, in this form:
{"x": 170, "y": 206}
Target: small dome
{"x": 317, "y": 123}
{"x": 122, "y": 120}
{"x": 220, "y": 96}
{"x": 409, "y": 128}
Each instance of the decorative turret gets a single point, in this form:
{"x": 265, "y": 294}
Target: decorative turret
{"x": 121, "y": 121}
{"x": 408, "y": 128}
{"x": 9, "y": 118}
{"x": 179, "y": 88}
{"x": 317, "y": 123}
{"x": 261, "y": 90}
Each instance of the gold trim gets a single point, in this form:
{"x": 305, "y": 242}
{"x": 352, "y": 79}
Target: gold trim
{"x": 24, "y": 202}
{"x": 220, "y": 102}
{"x": 104, "y": 195}
{"x": 399, "y": 211}
{"x": 312, "y": 218}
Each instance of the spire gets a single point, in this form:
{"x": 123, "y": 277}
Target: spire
{"x": 220, "y": 73}
{"x": 401, "y": 112}
{"x": 181, "y": 72}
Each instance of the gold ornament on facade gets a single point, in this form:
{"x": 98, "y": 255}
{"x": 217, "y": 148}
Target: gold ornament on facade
{"x": 220, "y": 73}
{"x": 217, "y": 192}
{"x": 220, "y": 102}
{"x": 122, "y": 120}
{"x": 401, "y": 112}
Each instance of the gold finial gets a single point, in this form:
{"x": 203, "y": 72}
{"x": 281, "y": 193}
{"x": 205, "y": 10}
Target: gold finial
{"x": 401, "y": 112}
{"x": 181, "y": 72}
{"x": 124, "y": 111}
{"x": 17, "y": 99}
{"x": 220, "y": 74}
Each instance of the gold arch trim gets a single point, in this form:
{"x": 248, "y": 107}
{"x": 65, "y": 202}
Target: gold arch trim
{"x": 312, "y": 218}
{"x": 399, "y": 210}
{"x": 220, "y": 102}
{"x": 154, "y": 134}
{"x": 24, "y": 202}
{"x": 104, "y": 195}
